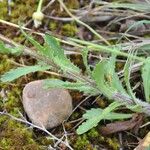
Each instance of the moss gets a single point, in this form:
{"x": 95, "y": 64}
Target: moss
{"x": 72, "y": 4}
{"x": 15, "y": 136}
{"x": 53, "y": 25}
{"x": 4, "y": 64}
{"x": 23, "y": 10}
{"x": 19, "y": 38}
{"x": 93, "y": 133}
{"x": 101, "y": 102}
{"x": 3, "y": 12}
{"x": 20, "y": 10}
{"x": 82, "y": 143}
{"x": 113, "y": 143}
{"x": 69, "y": 29}
{"x": 93, "y": 139}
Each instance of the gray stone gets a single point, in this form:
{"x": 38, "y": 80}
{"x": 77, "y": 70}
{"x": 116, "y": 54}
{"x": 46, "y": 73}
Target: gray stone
{"x": 46, "y": 107}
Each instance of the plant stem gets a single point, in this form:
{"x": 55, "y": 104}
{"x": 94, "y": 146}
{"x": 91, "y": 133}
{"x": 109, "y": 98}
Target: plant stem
{"x": 39, "y": 8}
{"x": 82, "y": 23}
{"x": 106, "y": 49}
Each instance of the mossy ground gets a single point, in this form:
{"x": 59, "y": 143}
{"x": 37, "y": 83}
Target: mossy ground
{"x": 15, "y": 135}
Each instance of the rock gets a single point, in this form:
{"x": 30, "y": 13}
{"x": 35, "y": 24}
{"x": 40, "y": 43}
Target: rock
{"x": 46, "y": 107}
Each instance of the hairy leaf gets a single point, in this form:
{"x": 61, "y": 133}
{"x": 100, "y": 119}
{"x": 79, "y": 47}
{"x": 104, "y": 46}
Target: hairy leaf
{"x": 111, "y": 75}
{"x": 84, "y": 56}
{"x": 99, "y": 77}
{"x": 4, "y": 49}
{"x": 37, "y": 45}
{"x": 143, "y": 7}
{"x": 58, "y": 56}
{"x": 127, "y": 70}
{"x": 146, "y": 79}
{"x": 93, "y": 122}
{"x": 111, "y": 116}
{"x": 20, "y": 71}
{"x": 82, "y": 87}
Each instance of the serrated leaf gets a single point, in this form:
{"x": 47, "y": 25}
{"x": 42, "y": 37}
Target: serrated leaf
{"x": 143, "y": 7}
{"x": 107, "y": 79}
{"x": 92, "y": 122}
{"x": 84, "y": 56}
{"x": 88, "y": 124}
{"x": 113, "y": 79}
{"x": 4, "y": 49}
{"x": 38, "y": 46}
{"x": 111, "y": 116}
{"x": 127, "y": 70}
{"x": 82, "y": 87}
{"x": 20, "y": 71}
{"x": 145, "y": 77}
{"x": 98, "y": 75}
{"x": 58, "y": 56}
{"x": 135, "y": 108}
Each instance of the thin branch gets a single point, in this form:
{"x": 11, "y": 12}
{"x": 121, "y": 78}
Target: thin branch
{"x": 42, "y": 128}
{"x": 82, "y": 23}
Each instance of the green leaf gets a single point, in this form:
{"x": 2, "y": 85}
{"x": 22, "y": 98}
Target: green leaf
{"x": 106, "y": 79}
{"x": 113, "y": 79}
{"x": 127, "y": 71}
{"x": 58, "y": 56}
{"x": 4, "y": 49}
{"x": 20, "y": 71}
{"x": 135, "y": 108}
{"x": 99, "y": 77}
{"x": 93, "y": 122}
{"x": 146, "y": 79}
{"x": 38, "y": 46}
{"x": 143, "y": 7}
{"x": 111, "y": 116}
{"x": 84, "y": 56}
{"x": 82, "y": 87}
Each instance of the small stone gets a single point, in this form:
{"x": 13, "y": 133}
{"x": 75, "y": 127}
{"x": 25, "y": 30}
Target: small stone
{"x": 46, "y": 107}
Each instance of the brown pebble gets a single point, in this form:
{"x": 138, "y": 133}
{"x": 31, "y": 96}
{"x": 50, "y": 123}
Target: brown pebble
{"x": 46, "y": 107}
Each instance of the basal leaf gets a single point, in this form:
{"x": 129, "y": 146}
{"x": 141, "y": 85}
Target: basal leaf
{"x": 82, "y": 87}
{"x": 98, "y": 75}
{"x": 135, "y": 108}
{"x": 143, "y": 7}
{"x": 111, "y": 75}
{"x": 146, "y": 78}
{"x": 20, "y": 71}
{"x": 37, "y": 45}
{"x": 84, "y": 56}
{"x": 4, "y": 49}
{"x": 127, "y": 70}
{"x": 111, "y": 116}
{"x": 58, "y": 55}
{"x": 88, "y": 124}
{"x": 93, "y": 121}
